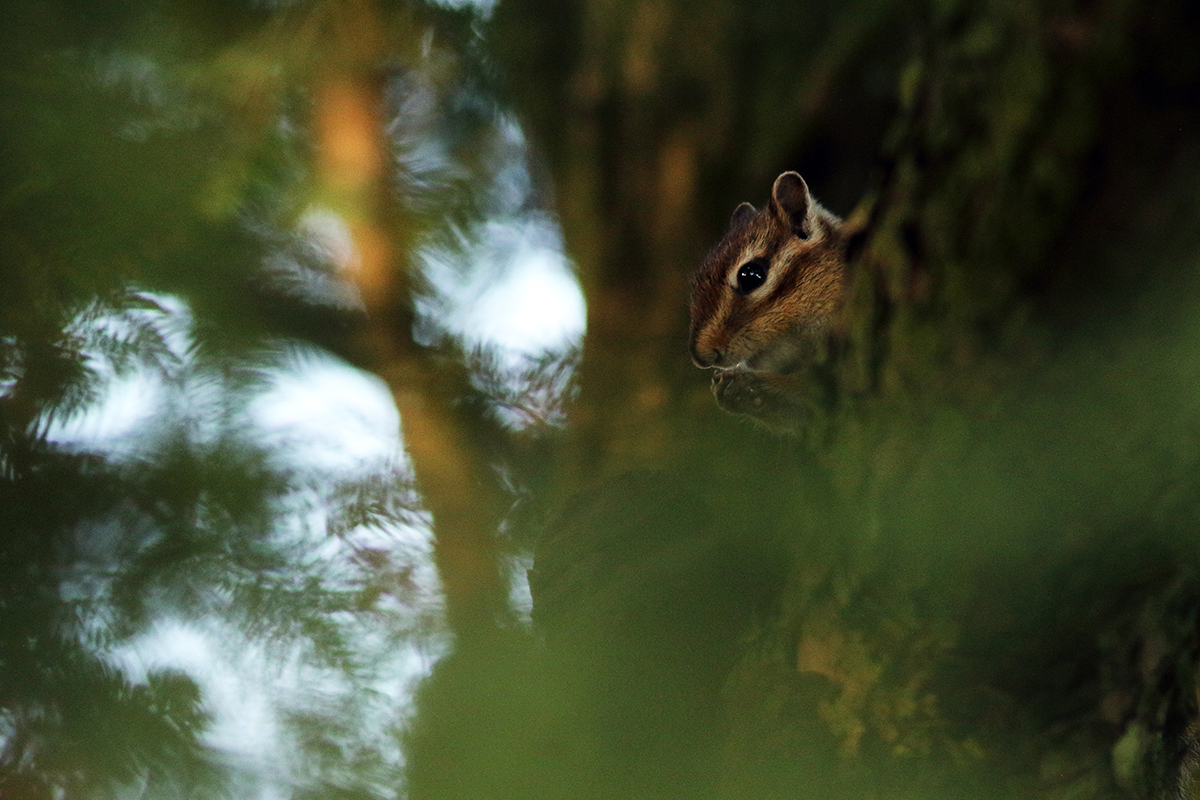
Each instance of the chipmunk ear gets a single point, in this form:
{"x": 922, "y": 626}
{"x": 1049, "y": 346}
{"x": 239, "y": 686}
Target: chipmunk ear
{"x": 792, "y": 203}
{"x": 741, "y": 215}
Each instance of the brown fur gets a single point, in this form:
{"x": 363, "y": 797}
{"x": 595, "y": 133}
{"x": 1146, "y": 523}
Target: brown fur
{"x": 763, "y": 342}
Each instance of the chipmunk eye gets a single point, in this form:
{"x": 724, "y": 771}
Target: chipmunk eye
{"x": 752, "y": 275}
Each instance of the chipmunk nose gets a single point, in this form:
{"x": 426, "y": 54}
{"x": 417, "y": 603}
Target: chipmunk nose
{"x": 704, "y": 360}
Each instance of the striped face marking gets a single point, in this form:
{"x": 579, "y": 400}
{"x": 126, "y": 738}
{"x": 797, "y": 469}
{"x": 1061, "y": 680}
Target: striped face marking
{"x": 752, "y": 275}
{"x": 751, "y": 270}
{"x": 763, "y": 288}
{"x": 759, "y": 303}
{"x": 756, "y": 272}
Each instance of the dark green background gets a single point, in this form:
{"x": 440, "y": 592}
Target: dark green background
{"x": 974, "y": 575}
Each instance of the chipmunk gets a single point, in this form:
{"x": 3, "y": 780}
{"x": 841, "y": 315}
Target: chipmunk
{"x": 764, "y": 304}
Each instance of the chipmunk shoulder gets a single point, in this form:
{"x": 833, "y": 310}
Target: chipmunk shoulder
{"x": 765, "y": 302}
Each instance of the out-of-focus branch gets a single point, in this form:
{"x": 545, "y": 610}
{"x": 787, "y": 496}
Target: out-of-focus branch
{"x": 457, "y": 486}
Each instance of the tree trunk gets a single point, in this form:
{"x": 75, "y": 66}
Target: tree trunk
{"x": 992, "y": 585}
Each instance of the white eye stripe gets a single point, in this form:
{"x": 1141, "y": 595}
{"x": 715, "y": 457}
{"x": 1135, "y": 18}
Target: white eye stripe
{"x": 773, "y": 271}
{"x": 749, "y": 253}
{"x": 779, "y": 263}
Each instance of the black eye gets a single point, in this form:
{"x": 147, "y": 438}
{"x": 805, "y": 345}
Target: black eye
{"x": 752, "y": 275}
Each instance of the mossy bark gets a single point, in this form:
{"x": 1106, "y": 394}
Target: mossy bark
{"x": 990, "y": 534}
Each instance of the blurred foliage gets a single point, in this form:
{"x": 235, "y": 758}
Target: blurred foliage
{"x": 156, "y": 165}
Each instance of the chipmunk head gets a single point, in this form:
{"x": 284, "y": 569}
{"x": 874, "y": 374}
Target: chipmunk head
{"x": 765, "y": 299}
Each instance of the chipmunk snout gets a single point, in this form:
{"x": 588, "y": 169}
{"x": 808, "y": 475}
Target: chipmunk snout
{"x": 704, "y": 359}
